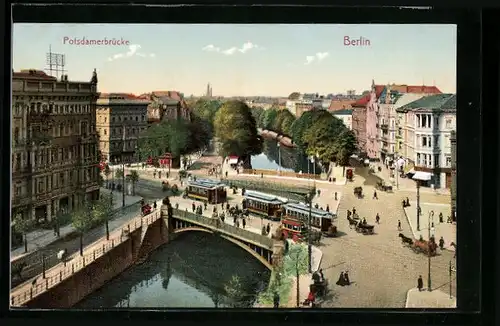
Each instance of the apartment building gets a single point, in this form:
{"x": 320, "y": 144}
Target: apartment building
{"x": 345, "y": 116}
{"x": 166, "y": 105}
{"x": 54, "y": 144}
{"x": 121, "y": 118}
{"x": 426, "y": 142}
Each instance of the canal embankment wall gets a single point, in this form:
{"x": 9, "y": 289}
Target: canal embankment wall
{"x": 135, "y": 249}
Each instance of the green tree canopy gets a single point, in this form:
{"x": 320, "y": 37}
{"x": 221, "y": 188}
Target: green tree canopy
{"x": 346, "y": 146}
{"x": 280, "y": 119}
{"x": 236, "y": 129}
{"x": 302, "y": 124}
{"x": 286, "y": 125}
{"x": 257, "y": 113}
{"x": 205, "y": 110}
{"x": 270, "y": 116}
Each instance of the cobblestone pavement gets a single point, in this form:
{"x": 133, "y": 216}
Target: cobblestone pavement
{"x": 426, "y": 299}
{"x": 380, "y": 267}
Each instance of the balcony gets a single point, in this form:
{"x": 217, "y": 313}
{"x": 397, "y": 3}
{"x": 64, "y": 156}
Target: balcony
{"x": 384, "y": 126}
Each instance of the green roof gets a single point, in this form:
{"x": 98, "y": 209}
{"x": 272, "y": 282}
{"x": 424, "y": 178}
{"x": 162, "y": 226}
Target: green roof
{"x": 438, "y": 102}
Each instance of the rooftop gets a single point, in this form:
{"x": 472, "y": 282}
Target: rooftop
{"x": 206, "y": 183}
{"x": 264, "y": 196}
{"x": 32, "y": 74}
{"x": 120, "y": 98}
{"x": 438, "y": 102}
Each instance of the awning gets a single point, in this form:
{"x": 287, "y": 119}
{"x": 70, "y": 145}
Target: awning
{"x": 233, "y": 161}
{"x": 423, "y": 176}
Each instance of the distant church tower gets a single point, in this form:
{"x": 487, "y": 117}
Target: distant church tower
{"x": 209, "y": 90}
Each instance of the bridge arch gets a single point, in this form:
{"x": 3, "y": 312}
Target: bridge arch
{"x": 234, "y": 241}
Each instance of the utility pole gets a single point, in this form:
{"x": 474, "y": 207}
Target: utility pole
{"x": 123, "y": 168}
{"x": 309, "y": 240}
{"x": 418, "y": 205}
{"x": 429, "y": 283}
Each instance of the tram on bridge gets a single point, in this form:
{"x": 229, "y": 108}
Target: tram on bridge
{"x": 211, "y": 191}
{"x": 262, "y": 204}
{"x": 296, "y": 218}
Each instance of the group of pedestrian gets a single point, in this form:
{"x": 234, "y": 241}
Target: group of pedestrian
{"x": 344, "y": 279}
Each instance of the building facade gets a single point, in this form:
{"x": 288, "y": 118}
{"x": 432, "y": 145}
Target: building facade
{"x": 453, "y": 188}
{"x": 429, "y": 123}
{"x": 345, "y": 116}
{"x": 121, "y": 118}
{"x": 166, "y": 105}
{"x": 54, "y": 144}
{"x": 391, "y": 98}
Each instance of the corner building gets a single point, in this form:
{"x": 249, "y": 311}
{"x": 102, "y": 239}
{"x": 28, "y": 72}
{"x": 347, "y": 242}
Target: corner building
{"x": 54, "y": 144}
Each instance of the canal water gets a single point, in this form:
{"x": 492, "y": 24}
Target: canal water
{"x": 292, "y": 160}
{"x": 196, "y": 270}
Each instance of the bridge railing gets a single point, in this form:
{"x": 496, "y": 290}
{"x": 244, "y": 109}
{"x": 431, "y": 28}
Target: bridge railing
{"x": 63, "y": 270}
{"x": 217, "y": 224}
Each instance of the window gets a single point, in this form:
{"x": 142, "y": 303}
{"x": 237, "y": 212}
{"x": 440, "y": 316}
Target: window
{"x": 436, "y": 140}
{"x": 136, "y": 118}
{"x": 448, "y": 161}
{"x": 436, "y": 161}
{"x": 16, "y": 135}
{"x": 105, "y": 132}
{"x": 448, "y": 123}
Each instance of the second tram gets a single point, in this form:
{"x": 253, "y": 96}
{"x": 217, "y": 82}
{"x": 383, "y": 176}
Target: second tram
{"x": 211, "y": 191}
{"x": 266, "y": 205}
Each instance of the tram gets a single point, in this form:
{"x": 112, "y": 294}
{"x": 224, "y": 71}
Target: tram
{"x": 211, "y": 191}
{"x": 262, "y": 204}
{"x": 296, "y": 218}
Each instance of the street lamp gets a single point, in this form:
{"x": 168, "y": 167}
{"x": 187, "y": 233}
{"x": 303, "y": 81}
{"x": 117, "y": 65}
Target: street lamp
{"x": 309, "y": 238}
{"x": 279, "y": 158}
{"x": 431, "y": 215}
{"x": 418, "y": 178}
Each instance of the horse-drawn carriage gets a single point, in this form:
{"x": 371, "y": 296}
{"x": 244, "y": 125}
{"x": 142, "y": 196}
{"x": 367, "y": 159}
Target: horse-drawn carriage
{"x": 331, "y": 232}
{"x": 421, "y": 245}
{"x": 382, "y": 186}
{"x": 358, "y": 192}
{"x": 365, "y": 228}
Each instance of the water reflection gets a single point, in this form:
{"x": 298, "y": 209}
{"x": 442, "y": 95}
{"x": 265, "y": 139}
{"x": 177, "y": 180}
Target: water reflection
{"x": 290, "y": 159}
{"x": 192, "y": 271}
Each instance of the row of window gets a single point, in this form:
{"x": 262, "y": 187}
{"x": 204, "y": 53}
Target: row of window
{"x": 48, "y": 156}
{"x": 432, "y": 160}
{"x": 44, "y": 184}
{"x": 53, "y": 108}
{"x": 316, "y": 221}
{"x": 61, "y": 130}
{"x": 118, "y": 131}
{"x": 120, "y": 118}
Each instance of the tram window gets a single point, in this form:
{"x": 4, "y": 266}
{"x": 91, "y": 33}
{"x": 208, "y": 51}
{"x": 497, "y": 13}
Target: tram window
{"x": 295, "y": 228}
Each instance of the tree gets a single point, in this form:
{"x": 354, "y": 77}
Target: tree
{"x": 257, "y": 113}
{"x": 102, "y": 211}
{"x": 23, "y": 226}
{"x": 286, "y": 125}
{"x": 235, "y": 291}
{"x": 280, "y": 119}
{"x": 300, "y": 126}
{"x": 270, "y": 116}
{"x": 236, "y": 130}
{"x": 346, "y": 146}
{"x": 119, "y": 173}
{"x": 205, "y": 110}
{"x": 298, "y": 263}
{"x": 107, "y": 173}
{"x": 294, "y": 96}
{"x": 82, "y": 221}
{"x": 134, "y": 178}
{"x": 320, "y": 138}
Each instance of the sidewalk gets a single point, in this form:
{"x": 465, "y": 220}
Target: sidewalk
{"x": 446, "y": 230}
{"x": 426, "y": 299}
{"x": 41, "y": 238}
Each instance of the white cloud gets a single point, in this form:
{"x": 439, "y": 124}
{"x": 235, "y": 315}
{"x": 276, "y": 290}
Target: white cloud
{"x": 132, "y": 51}
{"x": 320, "y": 56}
{"x": 232, "y": 50}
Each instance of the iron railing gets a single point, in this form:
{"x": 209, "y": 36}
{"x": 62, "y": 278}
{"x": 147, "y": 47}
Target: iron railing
{"x": 64, "y": 270}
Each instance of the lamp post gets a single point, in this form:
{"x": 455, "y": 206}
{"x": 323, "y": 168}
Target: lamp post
{"x": 309, "y": 239}
{"x": 279, "y": 158}
{"x": 429, "y": 283}
{"x": 123, "y": 167}
{"x": 450, "y": 271}
{"x": 417, "y": 180}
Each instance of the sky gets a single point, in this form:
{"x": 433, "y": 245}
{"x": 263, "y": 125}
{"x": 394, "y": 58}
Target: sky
{"x": 244, "y": 60}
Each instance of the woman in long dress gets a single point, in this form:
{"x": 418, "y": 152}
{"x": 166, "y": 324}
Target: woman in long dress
{"x": 341, "y": 280}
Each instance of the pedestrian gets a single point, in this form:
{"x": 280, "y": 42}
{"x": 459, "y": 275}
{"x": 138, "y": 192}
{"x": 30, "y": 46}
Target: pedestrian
{"x": 377, "y": 219}
{"x": 237, "y": 223}
{"x": 222, "y": 217}
{"x": 353, "y": 211}
{"x": 181, "y": 182}
{"x": 234, "y": 220}
{"x": 205, "y": 204}
{"x": 244, "y": 223}
{"x": 316, "y": 206}
{"x": 327, "y": 208}
{"x": 341, "y": 280}
{"x": 348, "y": 213}
{"x": 407, "y": 202}
{"x": 154, "y": 174}
{"x": 193, "y": 205}
{"x": 441, "y": 243}
{"x": 319, "y": 192}
{"x": 375, "y": 194}
{"x": 346, "y": 278}
{"x": 222, "y": 206}
{"x": 420, "y": 283}
{"x": 159, "y": 174}
{"x": 276, "y": 300}
{"x": 441, "y": 217}
{"x": 321, "y": 274}
{"x": 226, "y": 174}
{"x": 268, "y": 228}
{"x": 335, "y": 195}
{"x": 399, "y": 225}
{"x": 154, "y": 205}
{"x": 176, "y": 205}
{"x": 215, "y": 209}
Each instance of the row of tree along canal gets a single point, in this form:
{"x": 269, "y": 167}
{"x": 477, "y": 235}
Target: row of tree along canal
{"x": 195, "y": 270}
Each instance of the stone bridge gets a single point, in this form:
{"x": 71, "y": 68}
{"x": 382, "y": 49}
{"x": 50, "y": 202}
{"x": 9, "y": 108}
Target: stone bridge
{"x": 259, "y": 246}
